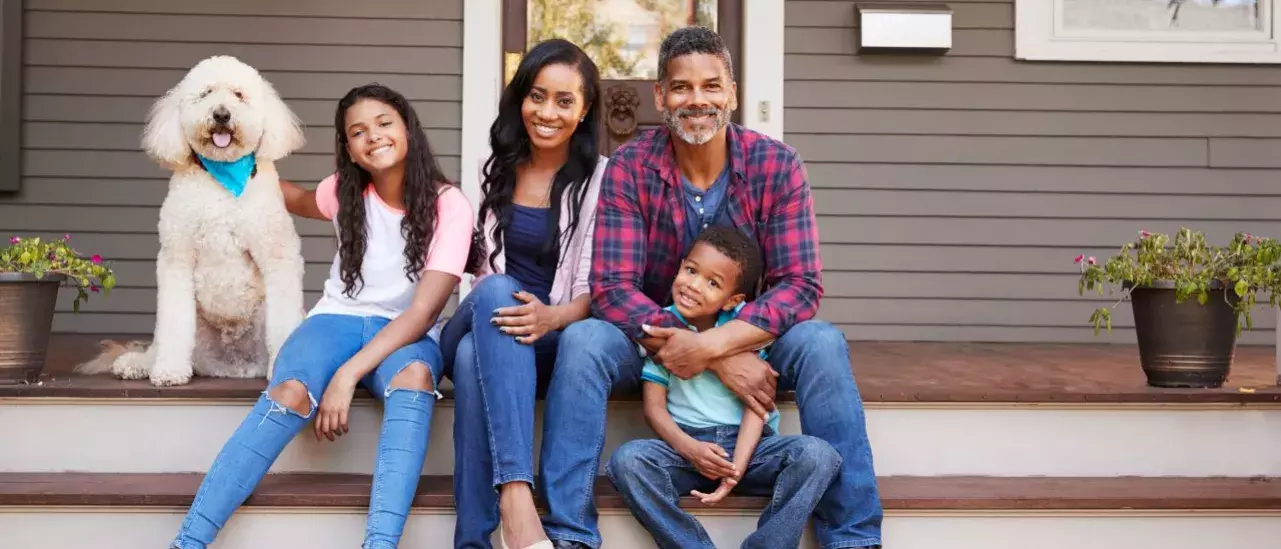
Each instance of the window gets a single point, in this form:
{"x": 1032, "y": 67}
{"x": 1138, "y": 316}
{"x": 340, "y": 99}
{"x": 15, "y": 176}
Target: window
{"x": 1186, "y": 31}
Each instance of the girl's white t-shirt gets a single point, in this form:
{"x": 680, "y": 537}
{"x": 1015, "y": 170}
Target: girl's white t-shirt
{"x": 386, "y": 291}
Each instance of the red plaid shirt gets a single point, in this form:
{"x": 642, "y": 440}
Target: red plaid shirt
{"x": 640, "y": 231}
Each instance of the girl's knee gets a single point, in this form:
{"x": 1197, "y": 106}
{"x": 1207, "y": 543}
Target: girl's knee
{"x": 417, "y": 377}
{"x": 292, "y": 394}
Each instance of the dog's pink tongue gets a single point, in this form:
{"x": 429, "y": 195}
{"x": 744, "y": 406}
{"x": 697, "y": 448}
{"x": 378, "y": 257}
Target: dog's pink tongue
{"x": 221, "y": 139}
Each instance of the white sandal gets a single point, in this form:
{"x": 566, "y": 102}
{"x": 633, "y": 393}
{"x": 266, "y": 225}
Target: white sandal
{"x": 545, "y": 544}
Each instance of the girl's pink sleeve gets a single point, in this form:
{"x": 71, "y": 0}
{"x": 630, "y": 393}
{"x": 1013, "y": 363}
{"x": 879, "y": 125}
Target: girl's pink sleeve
{"x": 451, "y": 242}
{"x": 327, "y": 196}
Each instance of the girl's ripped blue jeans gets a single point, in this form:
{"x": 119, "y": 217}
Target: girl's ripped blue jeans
{"x": 311, "y": 356}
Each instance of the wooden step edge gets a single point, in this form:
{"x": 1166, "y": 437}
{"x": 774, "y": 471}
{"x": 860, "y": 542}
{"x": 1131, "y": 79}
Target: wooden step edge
{"x": 897, "y": 493}
{"x": 108, "y": 388}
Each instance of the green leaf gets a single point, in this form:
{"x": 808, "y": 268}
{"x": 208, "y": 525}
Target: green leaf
{"x": 1241, "y": 288}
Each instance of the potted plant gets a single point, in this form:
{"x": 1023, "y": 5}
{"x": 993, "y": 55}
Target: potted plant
{"x": 1186, "y": 343}
{"x": 31, "y": 271}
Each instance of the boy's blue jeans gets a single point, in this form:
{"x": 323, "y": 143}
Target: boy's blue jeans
{"x": 311, "y": 355}
{"x": 793, "y": 470}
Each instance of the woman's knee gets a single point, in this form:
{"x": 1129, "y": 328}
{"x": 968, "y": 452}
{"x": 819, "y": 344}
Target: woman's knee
{"x": 416, "y": 376}
{"x": 292, "y": 394}
{"x": 496, "y": 287}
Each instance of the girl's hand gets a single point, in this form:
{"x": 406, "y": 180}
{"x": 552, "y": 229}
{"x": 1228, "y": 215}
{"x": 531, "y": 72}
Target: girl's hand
{"x": 331, "y": 415}
{"x": 527, "y": 322}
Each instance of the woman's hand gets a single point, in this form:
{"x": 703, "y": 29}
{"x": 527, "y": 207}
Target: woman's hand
{"x": 331, "y": 415}
{"x": 528, "y": 322}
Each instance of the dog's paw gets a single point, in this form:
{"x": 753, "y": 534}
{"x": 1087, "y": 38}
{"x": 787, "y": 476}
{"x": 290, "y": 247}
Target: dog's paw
{"x": 170, "y": 372}
{"x": 130, "y": 366}
{"x": 169, "y": 379}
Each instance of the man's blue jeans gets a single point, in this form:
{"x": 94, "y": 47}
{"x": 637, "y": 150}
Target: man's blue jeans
{"x": 812, "y": 358}
{"x": 312, "y": 355}
{"x": 794, "y": 470}
{"x": 496, "y": 380}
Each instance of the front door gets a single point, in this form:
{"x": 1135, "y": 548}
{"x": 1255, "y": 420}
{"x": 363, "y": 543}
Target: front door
{"x": 622, "y": 38}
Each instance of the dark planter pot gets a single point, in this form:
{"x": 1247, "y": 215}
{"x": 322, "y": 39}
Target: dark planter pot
{"x": 1184, "y": 345}
{"x": 26, "y": 318}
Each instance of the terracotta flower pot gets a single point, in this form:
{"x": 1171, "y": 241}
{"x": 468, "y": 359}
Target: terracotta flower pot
{"x": 1185, "y": 345}
{"x": 26, "y": 319}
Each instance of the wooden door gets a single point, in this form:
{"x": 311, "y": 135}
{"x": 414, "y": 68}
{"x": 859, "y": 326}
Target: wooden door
{"x": 622, "y": 37}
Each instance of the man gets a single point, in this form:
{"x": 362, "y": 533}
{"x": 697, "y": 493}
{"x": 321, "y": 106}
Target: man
{"x": 659, "y": 192}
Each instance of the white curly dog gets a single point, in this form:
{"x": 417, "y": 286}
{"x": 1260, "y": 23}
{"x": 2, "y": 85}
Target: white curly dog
{"x": 229, "y": 272}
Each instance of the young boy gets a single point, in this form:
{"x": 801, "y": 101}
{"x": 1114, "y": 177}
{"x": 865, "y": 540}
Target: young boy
{"x": 702, "y": 424}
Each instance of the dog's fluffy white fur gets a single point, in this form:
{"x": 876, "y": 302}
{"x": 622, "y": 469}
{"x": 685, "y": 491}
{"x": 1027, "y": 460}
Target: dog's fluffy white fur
{"x": 229, "y": 272}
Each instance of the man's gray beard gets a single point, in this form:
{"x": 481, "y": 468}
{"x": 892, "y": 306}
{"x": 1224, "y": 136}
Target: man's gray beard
{"x": 673, "y": 121}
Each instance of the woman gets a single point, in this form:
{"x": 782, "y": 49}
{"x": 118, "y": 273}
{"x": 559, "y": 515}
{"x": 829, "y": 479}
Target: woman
{"x": 536, "y": 217}
{"x": 404, "y": 236}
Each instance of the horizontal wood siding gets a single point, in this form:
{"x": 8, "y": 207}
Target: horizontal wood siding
{"x": 91, "y": 70}
{"x": 954, "y": 191}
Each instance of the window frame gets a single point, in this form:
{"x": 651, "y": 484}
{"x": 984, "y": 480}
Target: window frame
{"x": 1039, "y": 37}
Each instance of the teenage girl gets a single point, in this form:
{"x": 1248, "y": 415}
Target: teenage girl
{"x": 404, "y": 234}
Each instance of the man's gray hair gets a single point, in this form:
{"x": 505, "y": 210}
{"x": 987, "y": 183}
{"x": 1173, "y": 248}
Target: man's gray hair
{"x": 690, "y": 40}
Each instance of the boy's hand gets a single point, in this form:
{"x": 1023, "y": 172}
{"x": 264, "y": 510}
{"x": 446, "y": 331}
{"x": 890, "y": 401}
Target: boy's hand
{"x": 713, "y": 498}
{"x": 711, "y": 460}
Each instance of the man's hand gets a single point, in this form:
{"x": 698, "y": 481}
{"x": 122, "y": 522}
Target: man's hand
{"x": 749, "y": 377}
{"x": 711, "y": 460}
{"x": 685, "y": 353}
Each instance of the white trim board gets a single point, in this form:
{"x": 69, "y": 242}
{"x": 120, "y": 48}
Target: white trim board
{"x": 999, "y": 441}
{"x": 1040, "y": 36}
{"x": 762, "y": 81}
{"x": 252, "y": 527}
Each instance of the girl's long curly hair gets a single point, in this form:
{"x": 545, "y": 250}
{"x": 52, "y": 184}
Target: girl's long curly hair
{"x": 511, "y": 147}
{"x": 423, "y": 179}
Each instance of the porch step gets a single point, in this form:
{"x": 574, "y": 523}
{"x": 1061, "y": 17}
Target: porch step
{"x": 182, "y": 434}
{"x": 323, "y": 511}
{"x": 932, "y": 410}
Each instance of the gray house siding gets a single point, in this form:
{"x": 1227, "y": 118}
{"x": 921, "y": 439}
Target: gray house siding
{"x": 91, "y": 69}
{"x": 954, "y": 191}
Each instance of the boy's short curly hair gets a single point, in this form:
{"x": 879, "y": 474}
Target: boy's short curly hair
{"x": 741, "y": 249}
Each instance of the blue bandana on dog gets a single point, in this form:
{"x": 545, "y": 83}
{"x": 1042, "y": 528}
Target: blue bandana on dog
{"x": 232, "y": 175}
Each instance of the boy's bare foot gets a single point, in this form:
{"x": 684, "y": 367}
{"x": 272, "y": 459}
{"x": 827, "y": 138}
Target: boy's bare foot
{"x": 521, "y": 526}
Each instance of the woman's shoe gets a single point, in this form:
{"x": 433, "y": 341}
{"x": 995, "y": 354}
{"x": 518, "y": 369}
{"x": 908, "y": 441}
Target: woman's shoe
{"x": 545, "y": 544}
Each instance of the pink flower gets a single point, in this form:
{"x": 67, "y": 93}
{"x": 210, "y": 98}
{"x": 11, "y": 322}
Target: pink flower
{"x": 93, "y": 288}
{"x": 96, "y": 259}
{"x": 15, "y": 240}
{"x": 1079, "y": 258}
{"x": 1144, "y": 234}
{"x": 66, "y": 237}
{"x": 1248, "y": 238}
{"x": 52, "y": 257}
{"x": 1090, "y": 260}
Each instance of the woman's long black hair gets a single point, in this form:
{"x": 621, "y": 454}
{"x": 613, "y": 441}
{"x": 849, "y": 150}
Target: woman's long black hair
{"x": 510, "y": 145}
{"x": 423, "y": 178}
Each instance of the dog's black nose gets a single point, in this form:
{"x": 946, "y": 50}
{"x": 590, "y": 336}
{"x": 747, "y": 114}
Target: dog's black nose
{"x": 221, "y": 115}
